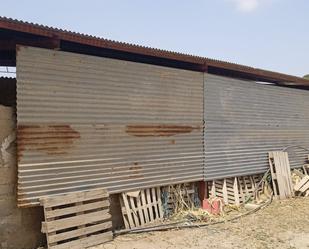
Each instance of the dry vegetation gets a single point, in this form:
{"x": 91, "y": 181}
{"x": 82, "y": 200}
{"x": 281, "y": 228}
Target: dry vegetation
{"x": 283, "y": 224}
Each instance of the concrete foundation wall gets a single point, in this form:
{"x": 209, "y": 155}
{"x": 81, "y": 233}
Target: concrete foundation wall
{"x": 19, "y": 228}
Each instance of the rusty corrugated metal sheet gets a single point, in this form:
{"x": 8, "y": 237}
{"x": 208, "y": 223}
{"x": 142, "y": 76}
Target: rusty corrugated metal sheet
{"x": 54, "y": 33}
{"x": 244, "y": 120}
{"x": 87, "y": 122}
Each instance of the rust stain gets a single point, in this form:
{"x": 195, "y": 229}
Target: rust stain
{"x": 135, "y": 171}
{"x": 18, "y": 47}
{"x": 50, "y": 139}
{"x": 159, "y": 130}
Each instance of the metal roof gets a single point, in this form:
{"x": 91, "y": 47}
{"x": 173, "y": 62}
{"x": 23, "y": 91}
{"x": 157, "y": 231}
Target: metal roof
{"x": 131, "y": 51}
{"x": 7, "y": 77}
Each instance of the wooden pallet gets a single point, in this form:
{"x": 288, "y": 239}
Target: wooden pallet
{"x": 77, "y": 220}
{"x": 142, "y": 207}
{"x": 281, "y": 174}
{"x": 235, "y": 190}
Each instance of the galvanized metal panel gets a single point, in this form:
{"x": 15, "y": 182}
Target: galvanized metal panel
{"x": 244, "y": 120}
{"x": 87, "y": 122}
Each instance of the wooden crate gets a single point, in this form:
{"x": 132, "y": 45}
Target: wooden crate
{"x": 142, "y": 207}
{"x": 77, "y": 220}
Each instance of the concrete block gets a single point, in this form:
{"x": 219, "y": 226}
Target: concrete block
{"x": 7, "y": 190}
{"x": 8, "y": 175}
{"x": 22, "y": 229}
{"x": 6, "y": 113}
{"x": 13, "y": 220}
{"x": 7, "y": 206}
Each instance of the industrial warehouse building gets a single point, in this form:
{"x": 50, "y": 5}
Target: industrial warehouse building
{"x": 89, "y": 113}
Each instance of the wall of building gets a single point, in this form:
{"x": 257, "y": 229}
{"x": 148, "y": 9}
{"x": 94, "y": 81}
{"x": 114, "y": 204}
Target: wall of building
{"x": 19, "y": 228}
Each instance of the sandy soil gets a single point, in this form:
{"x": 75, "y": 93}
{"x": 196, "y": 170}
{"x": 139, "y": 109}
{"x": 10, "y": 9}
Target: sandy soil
{"x": 283, "y": 224}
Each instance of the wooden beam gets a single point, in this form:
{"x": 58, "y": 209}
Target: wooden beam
{"x": 10, "y": 44}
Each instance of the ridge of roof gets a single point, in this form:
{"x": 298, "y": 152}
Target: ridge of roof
{"x": 42, "y": 30}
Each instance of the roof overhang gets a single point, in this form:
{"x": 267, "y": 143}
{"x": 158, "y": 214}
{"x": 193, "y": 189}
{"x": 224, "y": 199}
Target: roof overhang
{"x": 13, "y": 33}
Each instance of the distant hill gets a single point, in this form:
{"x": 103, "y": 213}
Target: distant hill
{"x": 306, "y": 76}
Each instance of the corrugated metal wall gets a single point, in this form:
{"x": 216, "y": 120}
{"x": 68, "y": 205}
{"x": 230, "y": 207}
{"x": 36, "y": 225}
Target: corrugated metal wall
{"x": 245, "y": 120}
{"x": 87, "y": 122}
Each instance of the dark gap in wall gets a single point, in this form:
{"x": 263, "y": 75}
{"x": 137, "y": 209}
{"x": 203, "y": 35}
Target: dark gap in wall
{"x": 7, "y": 91}
{"x": 110, "y": 53}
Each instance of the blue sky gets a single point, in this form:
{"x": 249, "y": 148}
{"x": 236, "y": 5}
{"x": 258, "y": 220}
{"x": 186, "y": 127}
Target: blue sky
{"x": 269, "y": 34}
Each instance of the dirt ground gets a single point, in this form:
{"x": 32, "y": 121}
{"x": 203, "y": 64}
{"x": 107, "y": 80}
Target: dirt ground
{"x": 283, "y": 224}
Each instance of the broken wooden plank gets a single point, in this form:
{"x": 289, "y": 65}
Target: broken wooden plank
{"x": 144, "y": 203}
{"x": 301, "y": 183}
{"x": 128, "y": 212}
{"x": 306, "y": 169}
{"x": 236, "y": 192}
{"x": 304, "y": 188}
